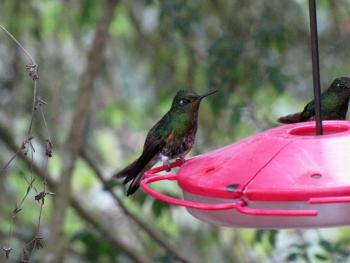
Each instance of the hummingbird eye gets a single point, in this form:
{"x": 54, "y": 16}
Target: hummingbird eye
{"x": 184, "y": 101}
{"x": 341, "y": 86}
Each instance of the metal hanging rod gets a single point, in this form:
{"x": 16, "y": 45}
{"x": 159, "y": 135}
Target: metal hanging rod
{"x": 315, "y": 65}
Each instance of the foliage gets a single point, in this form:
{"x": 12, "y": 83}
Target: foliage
{"x": 95, "y": 248}
{"x": 256, "y": 53}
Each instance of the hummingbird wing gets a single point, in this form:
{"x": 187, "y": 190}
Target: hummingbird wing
{"x": 134, "y": 171}
{"x": 150, "y": 150}
{"x": 143, "y": 163}
{"x": 155, "y": 141}
{"x": 307, "y": 114}
{"x": 290, "y": 118}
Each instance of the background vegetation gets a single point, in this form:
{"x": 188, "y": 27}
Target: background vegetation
{"x": 107, "y": 72}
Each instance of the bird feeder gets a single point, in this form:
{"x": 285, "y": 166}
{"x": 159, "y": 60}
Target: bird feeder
{"x": 286, "y": 177}
{"x": 292, "y": 176}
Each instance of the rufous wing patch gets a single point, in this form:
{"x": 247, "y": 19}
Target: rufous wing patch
{"x": 170, "y": 137}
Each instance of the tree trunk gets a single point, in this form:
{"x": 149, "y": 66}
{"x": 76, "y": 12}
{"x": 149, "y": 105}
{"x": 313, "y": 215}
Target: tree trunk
{"x": 74, "y": 141}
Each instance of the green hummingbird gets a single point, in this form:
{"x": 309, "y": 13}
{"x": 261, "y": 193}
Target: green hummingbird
{"x": 170, "y": 138}
{"x": 334, "y": 104}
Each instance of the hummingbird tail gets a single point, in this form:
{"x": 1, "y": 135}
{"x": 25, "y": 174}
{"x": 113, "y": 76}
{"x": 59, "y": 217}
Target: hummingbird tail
{"x": 135, "y": 180}
{"x": 135, "y": 184}
{"x": 134, "y": 171}
{"x": 131, "y": 169}
{"x": 291, "y": 118}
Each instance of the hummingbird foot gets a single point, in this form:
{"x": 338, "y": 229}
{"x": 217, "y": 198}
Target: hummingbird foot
{"x": 182, "y": 159}
{"x": 166, "y": 161}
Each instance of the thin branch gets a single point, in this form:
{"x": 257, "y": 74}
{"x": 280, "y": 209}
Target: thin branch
{"x": 152, "y": 233}
{"x": 20, "y": 236}
{"x": 33, "y": 110}
{"x": 29, "y": 56}
{"x": 33, "y": 73}
{"x": 18, "y": 208}
{"x": 14, "y": 156}
{"x": 7, "y": 164}
{"x": 81, "y": 211}
{"x": 39, "y": 103}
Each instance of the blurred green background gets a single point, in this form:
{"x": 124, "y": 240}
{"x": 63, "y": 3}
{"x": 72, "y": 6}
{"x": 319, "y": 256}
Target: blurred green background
{"x": 103, "y": 98}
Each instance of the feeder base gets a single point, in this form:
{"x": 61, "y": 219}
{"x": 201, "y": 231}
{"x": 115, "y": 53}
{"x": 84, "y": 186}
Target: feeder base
{"x": 329, "y": 215}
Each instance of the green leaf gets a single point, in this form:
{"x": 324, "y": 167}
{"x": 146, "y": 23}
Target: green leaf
{"x": 273, "y": 237}
{"x": 179, "y": 15}
{"x": 292, "y": 256}
{"x": 321, "y": 257}
{"x": 96, "y": 247}
{"x": 258, "y": 236}
{"x": 305, "y": 256}
{"x": 326, "y": 245}
{"x": 157, "y": 207}
{"x": 301, "y": 246}
{"x": 90, "y": 10}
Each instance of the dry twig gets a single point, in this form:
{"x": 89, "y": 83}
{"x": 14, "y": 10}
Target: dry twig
{"x": 26, "y": 147}
{"x": 87, "y": 216}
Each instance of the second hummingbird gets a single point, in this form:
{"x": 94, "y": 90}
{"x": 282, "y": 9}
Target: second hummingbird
{"x": 334, "y": 104}
{"x": 170, "y": 138}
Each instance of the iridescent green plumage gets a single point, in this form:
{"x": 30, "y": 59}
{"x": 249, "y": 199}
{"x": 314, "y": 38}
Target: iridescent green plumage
{"x": 334, "y": 104}
{"x": 172, "y": 137}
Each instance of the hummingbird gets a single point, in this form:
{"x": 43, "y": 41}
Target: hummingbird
{"x": 334, "y": 104}
{"x": 170, "y": 138}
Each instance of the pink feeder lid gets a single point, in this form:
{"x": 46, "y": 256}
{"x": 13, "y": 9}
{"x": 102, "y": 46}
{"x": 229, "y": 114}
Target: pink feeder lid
{"x": 287, "y": 163}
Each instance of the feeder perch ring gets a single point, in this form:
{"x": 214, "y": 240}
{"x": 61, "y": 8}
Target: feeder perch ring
{"x": 240, "y": 205}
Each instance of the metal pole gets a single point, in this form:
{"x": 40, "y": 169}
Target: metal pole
{"x": 315, "y": 65}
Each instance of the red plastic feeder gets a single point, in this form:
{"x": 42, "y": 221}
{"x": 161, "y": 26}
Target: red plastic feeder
{"x": 286, "y": 177}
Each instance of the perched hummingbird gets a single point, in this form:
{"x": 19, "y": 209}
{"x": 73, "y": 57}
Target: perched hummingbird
{"x": 170, "y": 138}
{"x": 334, "y": 104}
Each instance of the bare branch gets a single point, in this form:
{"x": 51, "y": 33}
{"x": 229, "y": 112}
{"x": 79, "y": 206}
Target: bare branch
{"x": 7, "y": 164}
{"x": 152, "y": 233}
{"x": 33, "y": 73}
{"x": 29, "y": 56}
{"x": 82, "y": 212}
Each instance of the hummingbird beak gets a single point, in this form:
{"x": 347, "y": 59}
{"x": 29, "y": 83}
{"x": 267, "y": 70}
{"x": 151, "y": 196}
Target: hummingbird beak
{"x": 200, "y": 97}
